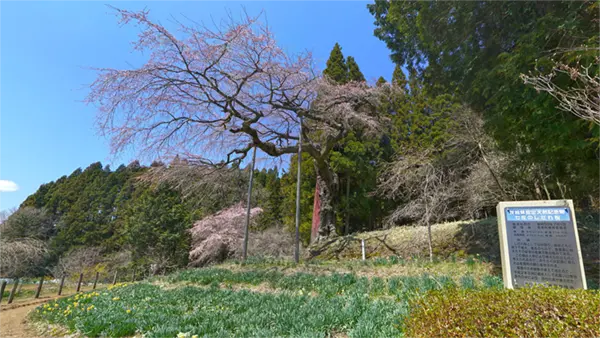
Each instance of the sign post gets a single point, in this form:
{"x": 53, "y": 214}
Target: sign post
{"x": 539, "y": 244}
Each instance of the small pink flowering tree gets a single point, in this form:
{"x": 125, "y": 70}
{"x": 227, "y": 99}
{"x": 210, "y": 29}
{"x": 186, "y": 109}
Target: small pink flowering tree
{"x": 218, "y": 236}
{"x": 214, "y": 94}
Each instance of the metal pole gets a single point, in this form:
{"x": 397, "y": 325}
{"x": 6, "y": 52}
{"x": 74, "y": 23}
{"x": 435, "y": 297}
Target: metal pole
{"x": 13, "y": 291}
{"x": 248, "y": 207}
{"x": 62, "y": 282}
{"x": 362, "y": 244}
{"x": 79, "y": 282}
{"x": 2, "y": 290}
{"x": 95, "y": 281}
{"x": 297, "y": 239}
{"x": 39, "y": 288}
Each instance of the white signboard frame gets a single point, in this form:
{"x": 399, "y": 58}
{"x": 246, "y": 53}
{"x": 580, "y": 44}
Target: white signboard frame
{"x": 515, "y": 211}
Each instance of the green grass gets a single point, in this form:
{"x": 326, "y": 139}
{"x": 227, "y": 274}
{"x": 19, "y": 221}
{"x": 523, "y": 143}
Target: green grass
{"x": 332, "y": 284}
{"x": 261, "y": 298}
{"x": 219, "y": 302}
{"x": 214, "y": 312}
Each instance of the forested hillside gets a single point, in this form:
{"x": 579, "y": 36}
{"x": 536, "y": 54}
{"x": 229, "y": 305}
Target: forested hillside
{"x": 110, "y": 212}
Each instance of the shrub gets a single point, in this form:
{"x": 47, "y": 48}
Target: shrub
{"x": 21, "y": 257}
{"x": 527, "y": 312}
{"x": 273, "y": 242}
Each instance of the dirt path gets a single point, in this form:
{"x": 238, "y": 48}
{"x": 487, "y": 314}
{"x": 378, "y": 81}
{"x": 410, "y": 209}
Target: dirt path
{"x": 12, "y": 321}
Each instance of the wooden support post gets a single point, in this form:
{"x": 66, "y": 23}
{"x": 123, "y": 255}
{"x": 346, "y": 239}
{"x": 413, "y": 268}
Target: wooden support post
{"x": 39, "y": 288}
{"x": 2, "y": 290}
{"x": 13, "y": 291}
{"x": 79, "y": 282}
{"x": 115, "y": 278}
{"x": 62, "y": 282}
{"x": 95, "y": 280}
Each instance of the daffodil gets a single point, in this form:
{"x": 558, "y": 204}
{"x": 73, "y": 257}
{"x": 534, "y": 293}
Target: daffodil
{"x": 128, "y": 311}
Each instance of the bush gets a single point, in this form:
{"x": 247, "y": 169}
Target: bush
{"x": 273, "y": 242}
{"x": 527, "y": 312}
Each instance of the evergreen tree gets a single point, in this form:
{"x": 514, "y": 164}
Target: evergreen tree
{"x": 354, "y": 73}
{"x": 307, "y": 192}
{"x": 355, "y": 159}
{"x": 477, "y": 50}
{"x": 398, "y": 78}
{"x": 156, "y": 227}
{"x": 380, "y": 81}
{"x": 272, "y": 213}
{"x": 336, "y": 70}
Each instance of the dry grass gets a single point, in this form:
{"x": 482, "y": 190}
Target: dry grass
{"x": 459, "y": 238}
{"x": 410, "y": 267}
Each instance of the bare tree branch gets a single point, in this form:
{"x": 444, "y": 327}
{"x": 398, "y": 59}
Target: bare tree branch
{"x": 582, "y": 98}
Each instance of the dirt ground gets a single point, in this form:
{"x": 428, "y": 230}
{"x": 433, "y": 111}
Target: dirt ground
{"x": 12, "y": 319}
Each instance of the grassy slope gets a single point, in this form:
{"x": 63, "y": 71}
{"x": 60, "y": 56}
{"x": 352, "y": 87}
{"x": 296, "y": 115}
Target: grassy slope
{"x": 458, "y": 239}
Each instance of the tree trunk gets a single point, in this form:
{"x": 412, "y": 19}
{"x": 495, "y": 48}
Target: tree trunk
{"x": 487, "y": 163}
{"x": 314, "y": 232}
{"x": 327, "y": 182}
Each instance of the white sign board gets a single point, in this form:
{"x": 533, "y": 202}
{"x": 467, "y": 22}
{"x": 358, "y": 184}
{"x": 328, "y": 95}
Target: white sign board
{"x": 539, "y": 244}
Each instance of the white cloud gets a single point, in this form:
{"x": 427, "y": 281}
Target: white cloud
{"x": 8, "y": 186}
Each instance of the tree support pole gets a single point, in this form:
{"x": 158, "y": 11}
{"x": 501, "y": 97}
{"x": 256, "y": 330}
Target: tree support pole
{"x": 297, "y": 239}
{"x": 347, "y": 231}
{"x": 248, "y": 208}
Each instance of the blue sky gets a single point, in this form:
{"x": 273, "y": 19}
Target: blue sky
{"x": 45, "y": 129}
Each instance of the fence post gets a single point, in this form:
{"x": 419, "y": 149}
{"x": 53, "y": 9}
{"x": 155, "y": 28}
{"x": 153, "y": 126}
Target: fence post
{"x": 2, "y": 290}
{"x": 13, "y": 291}
{"x": 39, "y": 288}
{"x": 79, "y": 282}
{"x": 62, "y": 282}
{"x": 95, "y": 280}
{"x": 362, "y": 244}
{"x": 115, "y": 278}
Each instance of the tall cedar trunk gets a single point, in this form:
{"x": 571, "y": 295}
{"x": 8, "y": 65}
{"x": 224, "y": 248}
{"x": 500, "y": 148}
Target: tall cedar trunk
{"x": 327, "y": 182}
